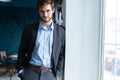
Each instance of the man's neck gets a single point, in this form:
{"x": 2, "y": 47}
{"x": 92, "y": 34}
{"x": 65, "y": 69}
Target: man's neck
{"x": 46, "y": 24}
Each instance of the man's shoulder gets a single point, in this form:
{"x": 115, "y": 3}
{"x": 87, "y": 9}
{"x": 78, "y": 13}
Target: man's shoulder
{"x": 60, "y": 26}
{"x": 32, "y": 24}
{"x": 63, "y": 27}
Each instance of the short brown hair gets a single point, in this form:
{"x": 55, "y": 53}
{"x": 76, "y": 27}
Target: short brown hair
{"x": 40, "y": 3}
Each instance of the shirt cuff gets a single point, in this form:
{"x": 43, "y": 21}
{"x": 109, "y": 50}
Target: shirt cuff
{"x": 20, "y": 71}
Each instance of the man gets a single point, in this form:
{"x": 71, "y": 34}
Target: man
{"x": 42, "y": 49}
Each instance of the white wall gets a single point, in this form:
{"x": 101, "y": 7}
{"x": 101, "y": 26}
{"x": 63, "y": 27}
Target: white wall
{"x": 82, "y": 39}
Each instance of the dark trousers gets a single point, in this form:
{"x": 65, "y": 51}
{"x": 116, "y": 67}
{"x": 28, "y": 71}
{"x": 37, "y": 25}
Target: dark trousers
{"x": 31, "y": 73}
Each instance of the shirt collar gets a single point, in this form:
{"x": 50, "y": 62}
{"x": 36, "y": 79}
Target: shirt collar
{"x": 42, "y": 27}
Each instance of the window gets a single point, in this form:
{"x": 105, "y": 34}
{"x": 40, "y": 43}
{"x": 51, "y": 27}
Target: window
{"x": 112, "y": 40}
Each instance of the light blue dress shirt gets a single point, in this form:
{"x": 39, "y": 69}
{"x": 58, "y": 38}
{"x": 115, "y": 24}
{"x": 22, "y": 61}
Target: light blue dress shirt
{"x": 43, "y": 47}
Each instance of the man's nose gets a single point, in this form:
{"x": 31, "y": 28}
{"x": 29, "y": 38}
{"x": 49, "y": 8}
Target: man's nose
{"x": 45, "y": 13}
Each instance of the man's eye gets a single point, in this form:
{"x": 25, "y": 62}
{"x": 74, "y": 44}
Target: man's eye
{"x": 48, "y": 10}
{"x": 41, "y": 11}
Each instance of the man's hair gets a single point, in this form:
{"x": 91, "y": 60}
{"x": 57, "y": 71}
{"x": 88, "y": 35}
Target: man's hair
{"x": 41, "y": 3}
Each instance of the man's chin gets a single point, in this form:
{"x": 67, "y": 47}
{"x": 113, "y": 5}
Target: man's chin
{"x": 46, "y": 20}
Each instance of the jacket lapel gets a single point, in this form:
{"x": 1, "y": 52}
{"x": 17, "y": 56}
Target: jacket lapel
{"x": 34, "y": 35}
{"x": 36, "y": 26}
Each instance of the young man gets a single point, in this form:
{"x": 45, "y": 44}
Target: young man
{"x": 41, "y": 54}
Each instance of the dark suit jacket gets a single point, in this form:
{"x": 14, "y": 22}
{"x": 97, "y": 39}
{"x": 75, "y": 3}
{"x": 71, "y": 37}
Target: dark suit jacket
{"x": 28, "y": 42}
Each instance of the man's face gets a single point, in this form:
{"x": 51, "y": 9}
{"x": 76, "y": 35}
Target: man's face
{"x": 46, "y": 12}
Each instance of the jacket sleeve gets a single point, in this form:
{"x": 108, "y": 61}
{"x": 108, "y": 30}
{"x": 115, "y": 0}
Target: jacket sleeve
{"x": 61, "y": 63}
{"x": 22, "y": 50}
{"x": 61, "y": 60}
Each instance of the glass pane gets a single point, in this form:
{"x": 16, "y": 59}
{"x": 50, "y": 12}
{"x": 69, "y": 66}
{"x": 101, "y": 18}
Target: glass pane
{"x": 112, "y": 40}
